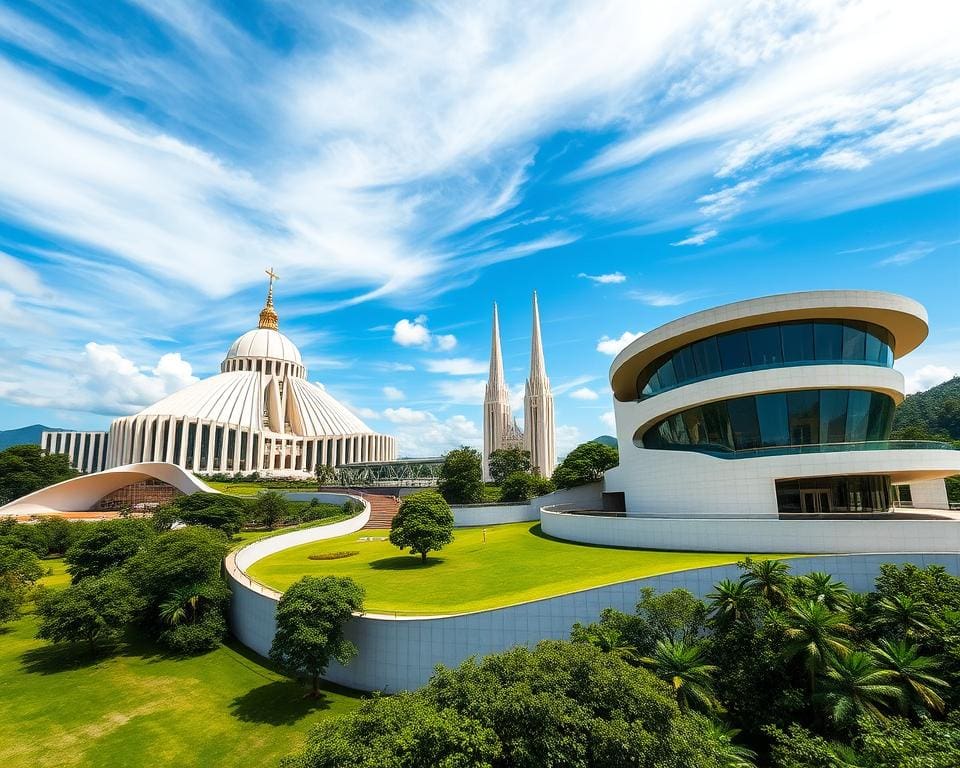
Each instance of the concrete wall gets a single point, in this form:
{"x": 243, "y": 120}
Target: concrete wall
{"x": 929, "y": 494}
{"x": 400, "y": 653}
{"x": 752, "y": 535}
{"x": 584, "y": 496}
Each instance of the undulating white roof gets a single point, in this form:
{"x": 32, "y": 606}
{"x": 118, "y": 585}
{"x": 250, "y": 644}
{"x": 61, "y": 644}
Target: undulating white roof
{"x": 264, "y": 342}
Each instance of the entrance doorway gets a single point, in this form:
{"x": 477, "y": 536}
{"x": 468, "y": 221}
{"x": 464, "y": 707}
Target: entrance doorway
{"x": 815, "y": 501}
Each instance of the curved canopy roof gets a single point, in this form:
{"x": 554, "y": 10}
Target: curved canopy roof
{"x": 265, "y": 342}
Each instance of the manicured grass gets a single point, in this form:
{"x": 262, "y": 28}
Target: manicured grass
{"x": 252, "y": 489}
{"x": 516, "y": 563}
{"x": 245, "y": 537}
{"x": 139, "y": 708}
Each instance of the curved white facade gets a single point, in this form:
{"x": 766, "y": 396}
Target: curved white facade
{"x": 260, "y": 414}
{"x": 773, "y": 407}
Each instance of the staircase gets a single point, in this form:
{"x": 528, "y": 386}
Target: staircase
{"x": 382, "y": 510}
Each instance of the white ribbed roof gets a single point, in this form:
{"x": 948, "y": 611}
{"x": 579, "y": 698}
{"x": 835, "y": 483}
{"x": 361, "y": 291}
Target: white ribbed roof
{"x": 264, "y": 342}
{"x": 237, "y": 398}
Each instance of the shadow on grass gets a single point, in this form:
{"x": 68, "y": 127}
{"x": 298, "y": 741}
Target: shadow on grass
{"x": 63, "y": 657}
{"x": 282, "y": 702}
{"x": 405, "y": 563}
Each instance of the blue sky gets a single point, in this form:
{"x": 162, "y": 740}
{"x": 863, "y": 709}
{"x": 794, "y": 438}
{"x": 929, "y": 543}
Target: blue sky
{"x": 402, "y": 166}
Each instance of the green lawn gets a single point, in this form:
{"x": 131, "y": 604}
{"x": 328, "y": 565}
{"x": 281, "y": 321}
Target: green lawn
{"x": 139, "y": 708}
{"x": 516, "y": 563}
{"x": 252, "y": 489}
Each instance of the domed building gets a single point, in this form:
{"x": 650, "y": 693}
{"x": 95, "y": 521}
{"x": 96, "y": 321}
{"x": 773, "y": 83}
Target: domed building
{"x": 259, "y": 414}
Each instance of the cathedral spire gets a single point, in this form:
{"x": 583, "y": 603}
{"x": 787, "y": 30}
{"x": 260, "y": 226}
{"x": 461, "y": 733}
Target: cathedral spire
{"x": 496, "y": 383}
{"x": 538, "y": 369}
{"x": 496, "y": 401}
{"x": 539, "y": 433}
{"x": 268, "y": 315}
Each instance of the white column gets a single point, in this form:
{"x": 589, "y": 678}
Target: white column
{"x": 197, "y": 439}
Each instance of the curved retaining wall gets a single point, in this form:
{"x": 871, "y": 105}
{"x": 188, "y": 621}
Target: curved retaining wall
{"x": 401, "y": 652}
{"x": 753, "y": 535}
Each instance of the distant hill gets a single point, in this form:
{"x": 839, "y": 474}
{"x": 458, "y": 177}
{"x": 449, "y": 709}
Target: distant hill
{"x": 606, "y": 440}
{"x": 24, "y": 435}
{"x": 934, "y": 412}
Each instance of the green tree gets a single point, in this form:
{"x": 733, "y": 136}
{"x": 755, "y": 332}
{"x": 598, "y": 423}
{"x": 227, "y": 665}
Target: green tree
{"x": 815, "y": 634}
{"x": 28, "y": 468}
{"x": 96, "y": 609}
{"x": 461, "y": 476}
{"x": 585, "y": 464}
{"x": 732, "y": 755}
{"x": 310, "y": 618}
{"x": 324, "y": 474}
{"x": 270, "y": 508}
{"x": 505, "y": 461}
{"x": 902, "y": 616}
{"x": 100, "y": 547}
{"x": 19, "y": 568}
{"x": 730, "y": 601}
{"x": 674, "y": 615}
{"x": 215, "y": 510}
{"x": 822, "y": 588}
{"x": 424, "y": 523}
{"x": 855, "y": 686}
{"x": 684, "y": 669}
{"x": 517, "y": 486}
{"x": 769, "y": 578}
{"x": 913, "y": 673}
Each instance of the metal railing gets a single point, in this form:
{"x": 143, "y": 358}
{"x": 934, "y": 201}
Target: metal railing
{"x": 722, "y": 452}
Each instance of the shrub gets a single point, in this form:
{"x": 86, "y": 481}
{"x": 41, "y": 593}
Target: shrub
{"x": 191, "y": 638}
{"x": 215, "y": 510}
{"x": 333, "y": 555}
{"x": 517, "y": 486}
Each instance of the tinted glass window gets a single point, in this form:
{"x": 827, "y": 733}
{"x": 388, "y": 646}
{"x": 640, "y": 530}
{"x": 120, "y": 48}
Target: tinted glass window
{"x": 718, "y": 424}
{"x": 854, "y": 339}
{"x": 666, "y": 375}
{"x": 833, "y": 415}
{"x": 683, "y": 365}
{"x": 696, "y": 427}
{"x": 828, "y": 340}
{"x": 734, "y": 352}
{"x": 743, "y": 422}
{"x": 881, "y": 417}
{"x": 804, "y": 411}
{"x": 772, "y": 417}
{"x": 858, "y": 415}
{"x": 706, "y": 356}
{"x": 797, "y": 342}
{"x": 874, "y": 352}
{"x": 765, "y": 345}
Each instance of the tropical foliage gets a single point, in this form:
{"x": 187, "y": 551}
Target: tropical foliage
{"x": 585, "y": 464}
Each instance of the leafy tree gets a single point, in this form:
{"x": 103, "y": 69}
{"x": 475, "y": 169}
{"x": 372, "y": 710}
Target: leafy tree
{"x": 816, "y": 634}
{"x": 732, "y": 755}
{"x": 769, "y": 578}
{"x": 902, "y": 616}
{"x": 57, "y": 533}
{"x": 10, "y": 601}
{"x": 683, "y": 667}
{"x": 102, "y": 546}
{"x": 913, "y": 673}
{"x": 855, "y": 686}
{"x": 461, "y": 476}
{"x": 608, "y": 635}
{"x": 22, "y": 536}
{"x": 517, "y": 486}
{"x": 932, "y": 585}
{"x": 675, "y": 615}
{"x": 270, "y": 508}
{"x": 215, "y": 510}
{"x": 28, "y": 468}
{"x": 324, "y": 474}
{"x": 585, "y": 464}
{"x": 310, "y": 619}
{"x": 19, "y": 568}
{"x": 424, "y": 523}
{"x": 730, "y": 601}
{"x": 93, "y": 610}
{"x": 504, "y": 462}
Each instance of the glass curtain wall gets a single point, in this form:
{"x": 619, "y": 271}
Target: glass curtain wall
{"x": 805, "y": 417}
{"x": 769, "y": 346}
{"x": 828, "y": 495}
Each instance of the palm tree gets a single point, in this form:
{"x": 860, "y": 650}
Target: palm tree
{"x": 769, "y": 578}
{"x": 904, "y": 615}
{"x": 912, "y": 671}
{"x": 728, "y": 602}
{"x": 681, "y": 666}
{"x": 731, "y": 755}
{"x": 814, "y": 632}
{"x": 854, "y": 685}
{"x": 181, "y": 606}
{"x": 610, "y": 640}
{"x": 823, "y": 588}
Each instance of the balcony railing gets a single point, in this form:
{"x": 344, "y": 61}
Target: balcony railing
{"x": 722, "y": 452}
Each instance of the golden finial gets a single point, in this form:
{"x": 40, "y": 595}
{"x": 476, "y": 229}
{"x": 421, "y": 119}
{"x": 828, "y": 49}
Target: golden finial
{"x": 268, "y": 315}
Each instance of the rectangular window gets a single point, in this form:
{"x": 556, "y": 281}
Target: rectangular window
{"x": 833, "y": 415}
{"x": 854, "y": 341}
{"x": 743, "y": 422}
{"x": 881, "y": 417}
{"x": 666, "y": 375}
{"x": 828, "y": 340}
{"x": 718, "y": 425}
{"x": 858, "y": 415}
{"x": 706, "y": 356}
{"x": 874, "y": 352}
{"x": 734, "y": 352}
{"x": 683, "y": 365}
{"x": 804, "y": 413}
{"x": 772, "y": 415}
{"x": 797, "y": 342}
{"x": 765, "y": 346}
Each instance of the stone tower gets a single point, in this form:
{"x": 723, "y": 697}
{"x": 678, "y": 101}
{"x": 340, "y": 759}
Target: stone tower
{"x": 538, "y": 424}
{"x": 497, "y": 417}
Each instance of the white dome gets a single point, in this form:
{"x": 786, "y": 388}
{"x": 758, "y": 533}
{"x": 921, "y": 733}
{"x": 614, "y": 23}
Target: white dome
{"x": 264, "y": 342}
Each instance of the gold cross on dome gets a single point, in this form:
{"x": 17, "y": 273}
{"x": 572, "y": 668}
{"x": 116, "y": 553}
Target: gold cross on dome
{"x": 273, "y": 275}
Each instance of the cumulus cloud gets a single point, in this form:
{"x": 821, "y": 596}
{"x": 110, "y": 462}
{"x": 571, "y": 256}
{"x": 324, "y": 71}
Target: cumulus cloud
{"x": 584, "y": 393}
{"x": 456, "y": 366}
{"x": 421, "y": 433}
{"x": 414, "y": 333}
{"x": 463, "y": 391}
{"x": 928, "y": 376}
{"x": 392, "y": 393}
{"x": 608, "y": 420}
{"x": 404, "y": 415}
{"x": 611, "y": 347}
{"x": 605, "y": 279}
{"x": 568, "y": 437}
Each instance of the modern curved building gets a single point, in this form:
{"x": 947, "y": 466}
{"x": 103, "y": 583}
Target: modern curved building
{"x": 777, "y": 407}
{"x": 259, "y": 414}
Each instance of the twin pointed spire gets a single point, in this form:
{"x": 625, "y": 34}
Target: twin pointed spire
{"x": 538, "y": 369}
{"x": 268, "y": 315}
{"x": 496, "y": 384}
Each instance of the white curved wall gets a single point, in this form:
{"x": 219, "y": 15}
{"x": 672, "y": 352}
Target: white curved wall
{"x": 81, "y": 493}
{"x": 752, "y": 535}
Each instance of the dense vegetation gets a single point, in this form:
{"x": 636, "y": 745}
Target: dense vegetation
{"x": 934, "y": 413}
{"x": 585, "y": 464}
{"x": 26, "y": 468}
{"x": 461, "y": 476}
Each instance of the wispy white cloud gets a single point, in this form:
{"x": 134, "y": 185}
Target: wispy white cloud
{"x": 663, "y": 298}
{"x": 605, "y": 279}
{"x": 456, "y": 366}
{"x": 393, "y": 394}
{"x": 699, "y": 237}
{"x": 928, "y": 376}
{"x": 907, "y": 256}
